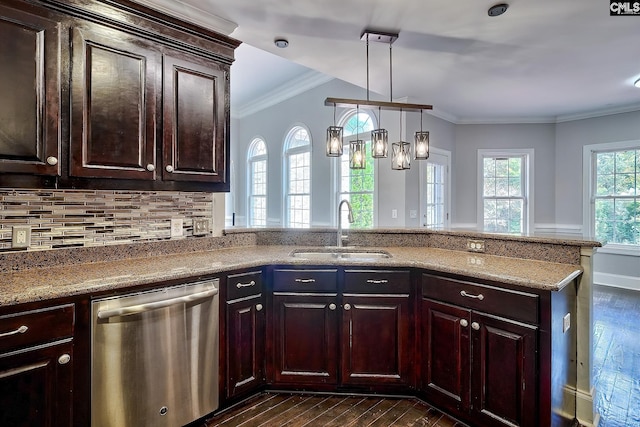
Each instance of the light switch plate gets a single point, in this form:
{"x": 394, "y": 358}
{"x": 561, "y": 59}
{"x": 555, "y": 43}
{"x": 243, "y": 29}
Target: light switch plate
{"x": 566, "y": 322}
{"x": 176, "y": 227}
{"x": 201, "y": 226}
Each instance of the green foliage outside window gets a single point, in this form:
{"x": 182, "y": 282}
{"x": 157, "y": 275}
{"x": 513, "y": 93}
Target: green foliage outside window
{"x": 617, "y": 197}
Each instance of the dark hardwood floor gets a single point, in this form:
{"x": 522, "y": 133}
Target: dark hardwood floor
{"x": 616, "y": 356}
{"x": 297, "y": 410}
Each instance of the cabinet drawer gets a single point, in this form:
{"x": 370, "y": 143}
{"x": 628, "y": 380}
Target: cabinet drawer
{"x": 29, "y": 328}
{"x": 244, "y": 284}
{"x": 377, "y": 281}
{"x": 515, "y": 305}
{"x": 297, "y": 280}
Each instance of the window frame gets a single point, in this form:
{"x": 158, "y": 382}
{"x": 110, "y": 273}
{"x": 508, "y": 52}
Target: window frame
{"x": 286, "y": 169}
{"x": 251, "y": 160}
{"x": 336, "y": 165}
{"x": 527, "y": 185}
{"x": 588, "y": 197}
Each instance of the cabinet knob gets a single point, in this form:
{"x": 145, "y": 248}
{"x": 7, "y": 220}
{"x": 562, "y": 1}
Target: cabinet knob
{"x": 332, "y": 306}
{"x": 64, "y": 359}
{"x": 475, "y": 326}
{"x": 259, "y": 307}
{"x": 169, "y": 168}
{"x": 151, "y": 167}
{"x": 347, "y": 307}
{"x": 464, "y": 323}
{"x": 52, "y": 160}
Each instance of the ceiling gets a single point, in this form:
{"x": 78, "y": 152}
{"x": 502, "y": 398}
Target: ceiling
{"x": 542, "y": 60}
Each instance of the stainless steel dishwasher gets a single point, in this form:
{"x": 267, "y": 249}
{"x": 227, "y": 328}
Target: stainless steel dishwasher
{"x": 155, "y": 356}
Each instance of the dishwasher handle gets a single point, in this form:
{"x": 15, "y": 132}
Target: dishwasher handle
{"x": 140, "y": 308}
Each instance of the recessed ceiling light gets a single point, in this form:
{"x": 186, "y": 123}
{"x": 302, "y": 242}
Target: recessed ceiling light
{"x": 637, "y": 84}
{"x": 498, "y": 9}
{"x": 281, "y": 43}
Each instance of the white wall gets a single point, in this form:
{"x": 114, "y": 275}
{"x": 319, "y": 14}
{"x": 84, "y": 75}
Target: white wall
{"x": 470, "y": 138}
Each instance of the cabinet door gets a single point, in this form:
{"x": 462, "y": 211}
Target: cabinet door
{"x": 36, "y": 387}
{"x": 114, "y": 105}
{"x": 195, "y": 105}
{"x": 504, "y": 372}
{"x": 30, "y": 92}
{"x": 305, "y": 333}
{"x": 245, "y": 345}
{"x": 446, "y": 364}
{"x": 376, "y": 340}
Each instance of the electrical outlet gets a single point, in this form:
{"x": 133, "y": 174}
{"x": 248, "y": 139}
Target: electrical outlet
{"x": 566, "y": 322}
{"x": 201, "y": 226}
{"x": 176, "y": 227}
{"x": 475, "y": 245}
{"x": 21, "y": 236}
{"x": 394, "y": 213}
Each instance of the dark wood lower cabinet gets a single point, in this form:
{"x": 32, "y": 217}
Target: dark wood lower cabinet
{"x": 245, "y": 346}
{"x": 36, "y": 387}
{"x": 376, "y": 340}
{"x": 305, "y": 332}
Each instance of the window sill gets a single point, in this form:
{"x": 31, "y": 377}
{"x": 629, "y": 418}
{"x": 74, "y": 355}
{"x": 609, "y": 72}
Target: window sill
{"x": 618, "y": 249}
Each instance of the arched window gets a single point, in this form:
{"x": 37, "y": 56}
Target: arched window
{"x": 297, "y": 169}
{"x": 357, "y": 185}
{"x": 257, "y": 183}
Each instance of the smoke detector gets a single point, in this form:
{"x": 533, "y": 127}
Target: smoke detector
{"x": 281, "y": 43}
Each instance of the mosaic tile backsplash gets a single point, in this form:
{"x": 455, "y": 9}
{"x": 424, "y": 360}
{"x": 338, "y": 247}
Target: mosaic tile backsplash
{"x": 89, "y": 218}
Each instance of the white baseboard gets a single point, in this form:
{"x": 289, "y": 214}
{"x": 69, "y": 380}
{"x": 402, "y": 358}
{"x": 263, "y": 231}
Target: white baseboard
{"x": 616, "y": 281}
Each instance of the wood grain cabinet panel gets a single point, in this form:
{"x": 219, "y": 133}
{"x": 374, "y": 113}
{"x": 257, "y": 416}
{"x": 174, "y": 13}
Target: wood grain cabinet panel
{"x": 115, "y": 103}
{"x": 195, "y": 100}
{"x": 31, "y": 70}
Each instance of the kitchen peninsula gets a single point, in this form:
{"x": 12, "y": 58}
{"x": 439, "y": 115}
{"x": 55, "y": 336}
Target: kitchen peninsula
{"x": 509, "y": 302}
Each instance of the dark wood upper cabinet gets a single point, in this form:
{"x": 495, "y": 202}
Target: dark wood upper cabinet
{"x": 195, "y": 103}
{"x": 115, "y": 80}
{"x": 111, "y": 95}
{"x": 30, "y": 66}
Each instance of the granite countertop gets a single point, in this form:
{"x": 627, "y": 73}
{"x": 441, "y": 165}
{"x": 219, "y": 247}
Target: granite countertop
{"x": 39, "y": 284}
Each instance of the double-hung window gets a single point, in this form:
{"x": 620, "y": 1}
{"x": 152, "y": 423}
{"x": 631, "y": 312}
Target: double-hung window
{"x": 615, "y": 193}
{"x": 257, "y": 183}
{"x": 298, "y": 178}
{"x": 505, "y": 183}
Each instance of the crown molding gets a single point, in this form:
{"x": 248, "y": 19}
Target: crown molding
{"x": 281, "y": 93}
{"x": 598, "y": 113}
{"x": 506, "y": 120}
{"x": 192, "y": 14}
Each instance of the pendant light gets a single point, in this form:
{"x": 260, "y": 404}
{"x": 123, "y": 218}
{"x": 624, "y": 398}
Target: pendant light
{"x": 334, "y": 138}
{"x": 379, "y": 140}
{"x": 401, "y": 152}
{"x": 421, "y": 143}
{"x": 357, "y": 153}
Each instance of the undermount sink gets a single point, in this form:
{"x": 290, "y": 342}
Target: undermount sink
{"x": 339, "y": 253}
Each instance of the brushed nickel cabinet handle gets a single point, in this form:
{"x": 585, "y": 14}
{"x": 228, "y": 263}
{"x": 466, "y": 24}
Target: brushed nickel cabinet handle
{"x": 51, "y": 160}
{"x": 305, "y": 280}
{"x": 151, "y": 167}
{"x": 64, "y": 359}
{"x": 332, "y": 306}
{"x": 377, "y": 282}
{"x": 465, "y": 294}
{"x": 347, "y": 307}
{"x": 464, "y": 323}
{"x": 245, "y": 285}
{"x": 259, "y": 307}
{"x": 475, "y": 326}
{"x": 169, "y": 168}
{"x": 21, "y": 330}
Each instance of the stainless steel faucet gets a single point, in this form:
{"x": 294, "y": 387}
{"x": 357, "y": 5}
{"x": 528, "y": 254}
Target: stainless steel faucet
{"x": 341, "y": 237}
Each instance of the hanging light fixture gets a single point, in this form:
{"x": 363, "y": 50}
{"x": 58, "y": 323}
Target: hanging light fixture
{"x": 401, "y": 152}
{"x": 357, "y": 154}
{"x": 380, "y": 137}
{"x": 421, "y": 141}
{"x": 334, "y": 138}
{"x": 379, "y": 140}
